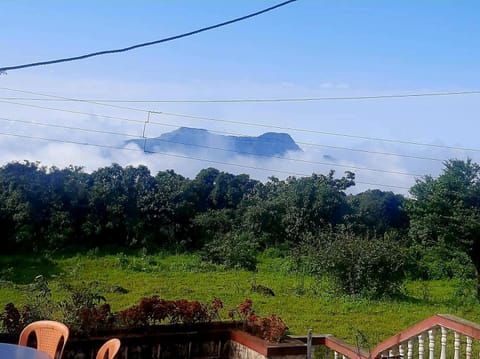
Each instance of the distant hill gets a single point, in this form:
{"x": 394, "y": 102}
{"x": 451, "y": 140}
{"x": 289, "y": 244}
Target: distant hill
{"x": 194, "y": 141}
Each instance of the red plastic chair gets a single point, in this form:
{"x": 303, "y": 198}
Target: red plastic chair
{"x": 109, "y": 349}
{"x": 51, "y": 337}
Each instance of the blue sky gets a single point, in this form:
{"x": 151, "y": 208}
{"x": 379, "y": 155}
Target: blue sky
{"x": 305, "y": 49}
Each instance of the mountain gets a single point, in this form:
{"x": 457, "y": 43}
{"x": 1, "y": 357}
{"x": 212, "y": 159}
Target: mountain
{"x": 195, "y": 141}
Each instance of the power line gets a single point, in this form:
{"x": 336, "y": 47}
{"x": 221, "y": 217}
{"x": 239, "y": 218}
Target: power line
{"x": 349, "y": 167}
{"x": 176, "y": 37}
{"x": 69, "y": 127}
{"x": 258, "y": 125}
{"x": 61, "y": 98}
{"x": 71, "y": 111}
{"x": 297, "y": 129}
{"x": 311, "y": 144}
{"x": 267, "y": 100}
{"x": 247, "y": 123}
{"x": 185, "y": 157}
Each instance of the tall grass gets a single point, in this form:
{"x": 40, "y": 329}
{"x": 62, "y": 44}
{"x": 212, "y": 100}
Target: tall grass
{"x": 302, "y": 301}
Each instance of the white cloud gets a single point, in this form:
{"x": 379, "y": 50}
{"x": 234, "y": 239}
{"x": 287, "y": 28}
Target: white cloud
{"x": 313, "y": 120}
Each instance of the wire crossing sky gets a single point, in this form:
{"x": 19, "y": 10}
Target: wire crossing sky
{"x": 361, "y": 85}
{"x": 150, "y": 43}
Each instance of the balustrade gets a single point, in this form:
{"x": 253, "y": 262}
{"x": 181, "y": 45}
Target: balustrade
{"x": 438, "y": 337}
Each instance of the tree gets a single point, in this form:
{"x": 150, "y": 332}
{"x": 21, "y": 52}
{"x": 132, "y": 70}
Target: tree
{"x": 379, "y": 211}
{"x": 446, "y": 211}
{"x": 315, "y": 202}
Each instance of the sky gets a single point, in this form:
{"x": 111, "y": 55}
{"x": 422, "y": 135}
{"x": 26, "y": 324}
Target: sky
{"x": 306, "y": 49}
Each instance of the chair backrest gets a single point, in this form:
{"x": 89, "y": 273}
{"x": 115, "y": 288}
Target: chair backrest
{"x": 49, "y": 334}
{"x": 109, "y": 349}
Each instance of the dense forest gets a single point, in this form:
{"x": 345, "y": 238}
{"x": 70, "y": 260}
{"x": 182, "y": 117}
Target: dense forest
{"x": 371, "y": 239}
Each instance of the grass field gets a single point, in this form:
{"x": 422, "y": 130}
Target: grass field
{"x": 301, "y": 301}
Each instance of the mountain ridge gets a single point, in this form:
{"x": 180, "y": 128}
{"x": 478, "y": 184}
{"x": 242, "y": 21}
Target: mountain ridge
{"x": 189, "y": 141}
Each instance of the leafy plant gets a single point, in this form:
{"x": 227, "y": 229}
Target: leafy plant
{"x": 155, "y": 310}
{"x": 86, "y": 310}
{"x": 236, "y": 251}
{"x": 12, "y": 320}
{"x": 272, "y": 328}
{"x": 373, "y": 267}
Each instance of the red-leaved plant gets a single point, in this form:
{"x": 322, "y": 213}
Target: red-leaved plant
{"x": 272, "y": 328}
{"x": 155, "y": 310}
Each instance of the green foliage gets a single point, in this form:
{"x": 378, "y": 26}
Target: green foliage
{"x": 446, "y": 211}
{"x": 373, "y": 267}
{"x": 237, "y": 251}
{"x": 320, "y": 306}
{"x": 40, "y": 306}
{"x": 438, "y": 262}
{"x": 378, "y": 212}
{"x": 51, "y": 209}
{"x": 85, "y": 310}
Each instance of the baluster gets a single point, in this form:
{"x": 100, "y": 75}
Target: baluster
{"x": 443, "y": 340}
{"x": 390, "y": 353}
{"x": 400, "y": 351}
{"x": 421, "y": 347}
{"x": 344, "y": 357}
{"x": 431, "y": 344}
{"x": 410, "y": 349}
{"x": 335, "y": 355}
{"x": 456, "y": 345}
{"x": 468, "y": 350}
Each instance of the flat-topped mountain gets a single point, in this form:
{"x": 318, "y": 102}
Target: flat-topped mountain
{"x": 192, "y": 141}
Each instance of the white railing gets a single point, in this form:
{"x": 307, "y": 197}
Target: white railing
{"x": 439, "y": 337}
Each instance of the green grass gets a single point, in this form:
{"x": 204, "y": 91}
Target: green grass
{"x": 301, "y": 301}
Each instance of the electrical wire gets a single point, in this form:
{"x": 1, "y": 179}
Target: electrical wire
{"x": 185, "y": 157}
{"x": 298, "y": 129}
{"x": 61, "y": 98}
{"x": 349, "y": 167}
{"x": 69, "y": 127}
{"x": 242, "y": 137}
{"x": 176, "y": 37}
{"x": 266, "y": 100}
{"x": 238, "y": 134}
{"x": 290, "y": 129}
{"x": 71, "y": 111}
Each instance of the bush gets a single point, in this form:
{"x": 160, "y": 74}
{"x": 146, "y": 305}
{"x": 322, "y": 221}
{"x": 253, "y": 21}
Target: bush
{"x": 236, "y": 251}
{"x": 272, "y": 328}
{"x": 439, "y": 262}
{"x": 86, "y": 310}
{"x": 371, "y": 267}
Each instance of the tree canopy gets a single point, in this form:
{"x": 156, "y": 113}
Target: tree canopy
{"x": 445, "y": 210}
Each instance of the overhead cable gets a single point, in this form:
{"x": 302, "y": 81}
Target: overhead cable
{"x": 296, "y": 129}
{"x": 186, "y": 157}
{"x": 35, "y": 123}
{"x": 72, "y": 111}
{"x": 176, "y": 37}
{"x": 349, "y": 167}
{"x": 267, "y": 100}
{"x": 61, "y": 98}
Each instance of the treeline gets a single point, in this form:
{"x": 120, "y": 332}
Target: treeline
{"x": 59, "y": 209}
{"x": 367, "y": 241}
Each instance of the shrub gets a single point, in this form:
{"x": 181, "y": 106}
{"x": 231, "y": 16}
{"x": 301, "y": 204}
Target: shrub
{"x": 439, "y": 262}
{"x": 372, "y": 267}
{"x": 237, "y": 251}
{"x": 155, "y": 310}
{"x": 86, "y": 310}
{"x": 272, "y": 328}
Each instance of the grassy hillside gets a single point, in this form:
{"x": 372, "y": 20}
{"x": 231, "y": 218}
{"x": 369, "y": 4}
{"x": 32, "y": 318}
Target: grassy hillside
{"x": 302, "y": 301}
